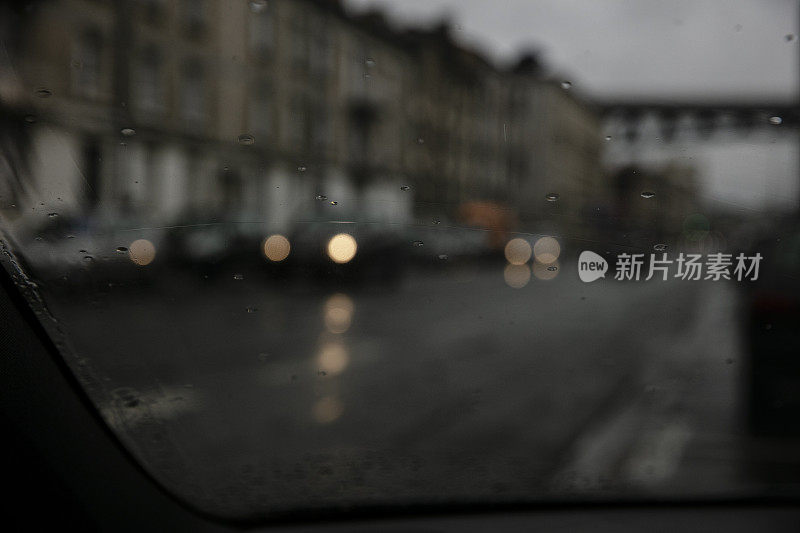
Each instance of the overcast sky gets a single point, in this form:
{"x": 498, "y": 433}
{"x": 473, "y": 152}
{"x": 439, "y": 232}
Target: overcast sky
{"x": 646, "y": 48}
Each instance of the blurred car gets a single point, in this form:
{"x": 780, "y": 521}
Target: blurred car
{"x": 348, "y": 251}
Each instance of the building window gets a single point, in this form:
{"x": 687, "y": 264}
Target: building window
{"x": 193, "y": 93}
{"x": 300, "y": 43}
{"x": 261, "y": 33}
{"x": 149, "y": 88}
{"x": 260, "y": 110}
{"x": 86, "y": 60}
{"x": 298, "y": 124}
{"x": 152, "y": 10}
{"x": 320, "y": 51}
{"x": 193, "y": 15}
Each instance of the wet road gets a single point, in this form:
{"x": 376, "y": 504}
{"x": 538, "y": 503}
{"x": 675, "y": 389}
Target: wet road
{"x": 248, "y": 396}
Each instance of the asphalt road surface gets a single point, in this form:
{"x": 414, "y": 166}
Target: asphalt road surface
{"x": 246, "y": 397}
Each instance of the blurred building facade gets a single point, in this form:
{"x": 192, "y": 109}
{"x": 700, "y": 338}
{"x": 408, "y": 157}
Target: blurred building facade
{"x": 175, "y": 110}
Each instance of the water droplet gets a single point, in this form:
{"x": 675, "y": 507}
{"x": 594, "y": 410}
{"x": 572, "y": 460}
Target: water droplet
{"x": 252, "y": 309}
{"x": 38, "y": 238}
{"x": 257, "y": 6}
{"x": 443, "y": 257}
{"x": 121, "y": 249}
{"x": 301, "y": 168}
{"x": 660, "y": 247}
{"x": 648, "y": 194}
{"x": 128, "y": 132}
{"x": 246, "y": 139}
{"x": 789, "y": 37}
{"x": 321, "y": 197}
{"x": 608, "y": 137}
{"x": 43, "y": 92}
{"x": 52, "y": 215}
{"x": 437, "y": 221}
{"x": 404, "y": 188}
{"x": 334, "y": 202}
{"x": 322, "y": 373}
{"x": 238, "y": 277}
{"x": 88, "y": 258}
{"x": 418, "y": 243}
{"x": 552, "y": 197}
{"x": 70, "y": 236}
{"x": 420, "y": 140}
{"x": 263, "y": 356}
{"x": 566, "y": 84}
{"x": 369, "y": 62}
{"x": 552, "y": 268}
{"x": 133, "y": 402}
{"x": 775, "y": 120}
{"x": 30, "y": 119}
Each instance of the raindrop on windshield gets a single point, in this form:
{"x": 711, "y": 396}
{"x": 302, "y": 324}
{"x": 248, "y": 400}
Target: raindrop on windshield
{"x": 128, "y": 132}
{"x": 404, "y": 188}
{"x": 566, "y": 84}
{"x": 443, "y": 257}
{"x": 660, "y": 247}
{"x": 789, "y": 38}
{"x": 334, "y": 202}
{"x": 648, "y": 194}
{"x": 121, "y": 249}
{"x": 52, "y": 215}
{"x": 775, "y": 120}
{"x": 420, "y": 140}
{"x": 44, "y": 93}
{"x": 321, "y": 197}
{"x": 30, "y": 119}
{"x": 238, "y": 277}
{"x": 608, "y": 137}
{"x": 251, "y": 310}
{"x": 552, "y": 197}
{"x": 418, "y": 243}
{"x": 370, "y": 62}
{"x": 246, "y": 139}
{"x": 301, "y": 168}
{"x": 552, "y": 268}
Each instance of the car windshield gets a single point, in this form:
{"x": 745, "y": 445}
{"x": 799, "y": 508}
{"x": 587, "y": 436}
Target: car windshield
{"x": 334, "y": 254}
